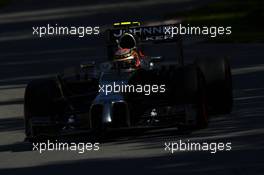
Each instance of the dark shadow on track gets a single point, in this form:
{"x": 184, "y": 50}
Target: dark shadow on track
{"x": 11, "y": 124}
{"x": 12, "y": 102}
{"x": 174, "y": 164}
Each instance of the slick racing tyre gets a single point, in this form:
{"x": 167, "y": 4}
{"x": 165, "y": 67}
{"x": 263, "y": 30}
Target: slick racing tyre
{"x": 195, "y": 96}
{"x": 186, "y": 87}
{"x": 39, "y": 104}
{"x": 217, "y": 73}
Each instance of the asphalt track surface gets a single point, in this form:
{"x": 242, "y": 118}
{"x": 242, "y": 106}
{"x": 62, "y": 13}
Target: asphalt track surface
{"x": 24, "y": 58}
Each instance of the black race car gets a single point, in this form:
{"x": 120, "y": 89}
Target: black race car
{"x": 120, "y": 93}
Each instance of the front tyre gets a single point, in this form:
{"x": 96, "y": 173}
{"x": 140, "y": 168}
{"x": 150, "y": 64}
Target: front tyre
{"x": 195, "y": 95}
{"x": 39, "y": 104}
{"x": 217, "y": 73}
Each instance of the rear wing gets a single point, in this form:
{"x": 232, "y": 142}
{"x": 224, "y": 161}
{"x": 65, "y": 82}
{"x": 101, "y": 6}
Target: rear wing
{"x": 155, "y": 34}
{"x": 144, "y": 34}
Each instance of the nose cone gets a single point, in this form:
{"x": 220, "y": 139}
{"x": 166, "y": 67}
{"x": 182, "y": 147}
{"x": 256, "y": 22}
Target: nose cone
{"x": 107, "y": 113}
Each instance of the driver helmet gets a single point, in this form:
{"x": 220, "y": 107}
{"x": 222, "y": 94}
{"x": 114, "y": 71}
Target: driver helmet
{"x": 126, "y": 52}
{"x": 127, "y": 57}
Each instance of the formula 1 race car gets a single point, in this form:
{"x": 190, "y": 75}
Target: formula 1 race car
{"x": 131, "y": 89}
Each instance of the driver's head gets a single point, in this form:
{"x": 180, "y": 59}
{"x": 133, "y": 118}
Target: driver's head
{"x": 127, "y": 41}
{"x": 126, "y": 54}
{"x": 124, "y": 57}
